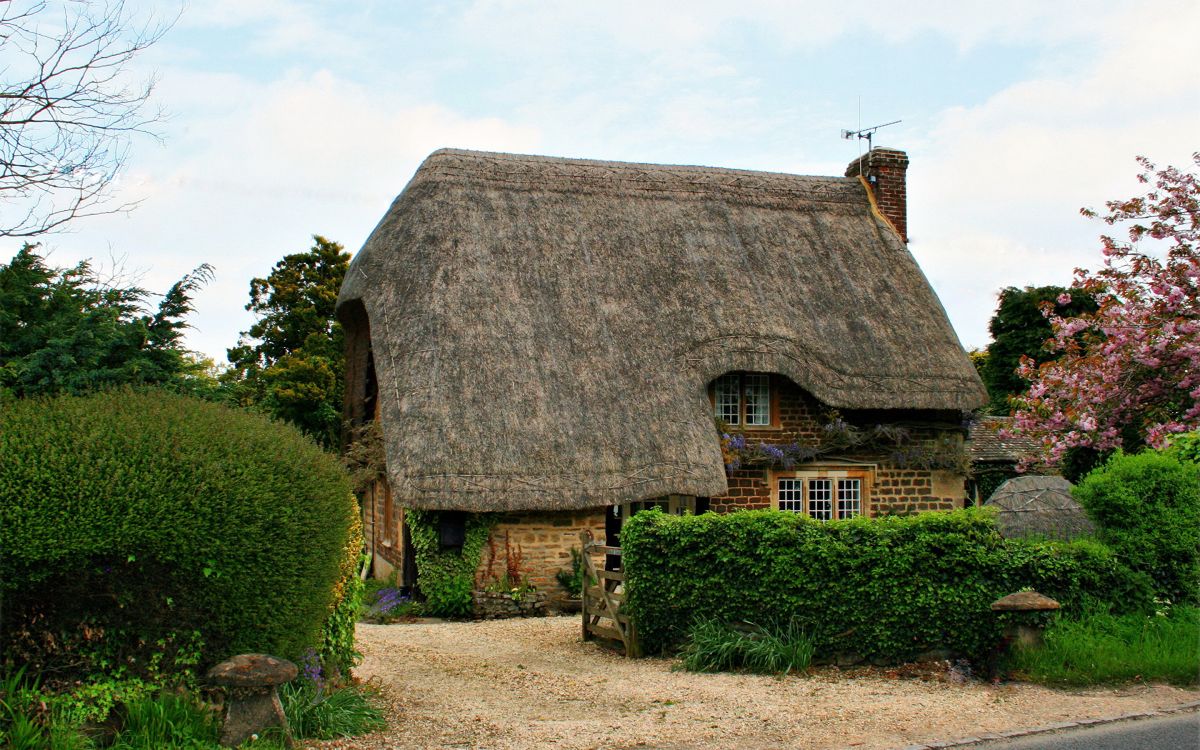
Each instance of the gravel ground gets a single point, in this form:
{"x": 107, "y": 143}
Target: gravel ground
{"x": 534, "y": 684}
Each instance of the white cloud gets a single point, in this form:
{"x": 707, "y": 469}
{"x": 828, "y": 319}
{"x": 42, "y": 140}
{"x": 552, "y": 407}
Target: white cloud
{"x": 995, "y": 191}
{"x": 263, "y": 168}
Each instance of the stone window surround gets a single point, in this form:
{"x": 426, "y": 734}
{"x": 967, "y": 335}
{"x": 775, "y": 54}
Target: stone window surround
{"x": 865, "y": 473}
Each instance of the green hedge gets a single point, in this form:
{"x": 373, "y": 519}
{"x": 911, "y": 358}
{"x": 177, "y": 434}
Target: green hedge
{"x": 884, "y": 589}
{"x": 1147, "y": 508}
{"x": 135, "y": 521}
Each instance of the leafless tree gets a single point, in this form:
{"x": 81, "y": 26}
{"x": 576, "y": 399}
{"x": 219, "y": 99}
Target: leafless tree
{"x": 69, "y": 105}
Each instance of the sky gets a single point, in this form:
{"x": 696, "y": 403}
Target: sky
{"x": 289, "y": 118}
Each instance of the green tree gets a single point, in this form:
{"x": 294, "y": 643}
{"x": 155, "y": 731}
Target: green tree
{"x": 63, "y": 330}
{"x": 1019, "y": 328}
{"x": 291, "y": 362}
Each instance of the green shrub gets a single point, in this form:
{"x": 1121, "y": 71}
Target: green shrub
{"x": 150, "y": 533}
{"x": 713, "y": 646}
{"x": 1102, "y": 648}
{"x": 884, "y": 589}
{"x": 1147, "y": 508}
{"x": 446, "y": 577}
{"x": 316, "y": 713}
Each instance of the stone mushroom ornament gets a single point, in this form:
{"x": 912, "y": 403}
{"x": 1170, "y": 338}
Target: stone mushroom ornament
{"x": 252, "y": 701}
{"x": 1025, "y": 629}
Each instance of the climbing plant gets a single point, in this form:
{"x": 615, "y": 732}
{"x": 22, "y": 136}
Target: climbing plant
{"x": 447, "y": 576}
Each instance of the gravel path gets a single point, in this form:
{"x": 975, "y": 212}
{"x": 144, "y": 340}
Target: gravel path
{"x": 533, "y": 683}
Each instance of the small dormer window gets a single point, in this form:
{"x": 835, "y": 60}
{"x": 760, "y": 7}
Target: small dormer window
{"x": 743, "y": 398}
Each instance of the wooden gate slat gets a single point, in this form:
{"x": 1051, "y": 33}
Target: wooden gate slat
{"x": 603, "y": 601}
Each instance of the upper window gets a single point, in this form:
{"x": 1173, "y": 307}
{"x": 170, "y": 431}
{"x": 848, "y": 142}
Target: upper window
{"x": 743, "y": 398}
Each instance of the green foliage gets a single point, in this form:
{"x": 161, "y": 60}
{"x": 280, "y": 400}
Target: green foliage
{"x": 291, "y": 362}
{"x": 1147, "y": 508}
{"x": 148, "y": 534}
{"x": 884, "y": 589}
{"x": 572, "y": 580}
{"x": 63, "y": 330}
{"x": 337, "y": 634}
{"x": 315, "y": 713}
{"x": 1100, "y": 648}
{"x": 1019, "y": 328}
{"x": 714, "y": 646}
{"x": 447, "y": 576}
{"x": 1185, "y": 447}
{"x": 988, "y": 480}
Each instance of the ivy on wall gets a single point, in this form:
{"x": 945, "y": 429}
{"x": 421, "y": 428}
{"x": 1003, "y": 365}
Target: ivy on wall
{"x": 447, "y": 576}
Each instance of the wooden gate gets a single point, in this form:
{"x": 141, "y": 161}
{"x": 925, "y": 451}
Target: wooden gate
{"x": 604, "y": 598}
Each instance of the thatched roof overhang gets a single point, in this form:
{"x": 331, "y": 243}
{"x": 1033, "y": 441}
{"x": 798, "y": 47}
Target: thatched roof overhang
{"x": 544, "y": 329}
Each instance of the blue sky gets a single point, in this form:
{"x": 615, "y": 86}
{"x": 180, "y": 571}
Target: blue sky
{"x": 289, "y": 118}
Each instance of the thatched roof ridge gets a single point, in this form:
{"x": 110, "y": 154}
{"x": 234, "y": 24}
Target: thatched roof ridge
{"x": 544, "y": 329}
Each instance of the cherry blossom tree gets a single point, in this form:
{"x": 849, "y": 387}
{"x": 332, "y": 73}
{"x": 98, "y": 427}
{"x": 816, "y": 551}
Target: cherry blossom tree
{"x": 1129, "y": 373}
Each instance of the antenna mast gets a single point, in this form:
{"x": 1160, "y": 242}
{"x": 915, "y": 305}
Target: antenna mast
{"x": 866, "y": 133}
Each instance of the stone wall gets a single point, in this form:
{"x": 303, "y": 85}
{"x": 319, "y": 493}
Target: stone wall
{"x": 544, "y": 539}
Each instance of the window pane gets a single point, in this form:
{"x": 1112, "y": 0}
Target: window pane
{"x": 728, "y": 403}
{"x": 820, "y": 499}
{"x": 791, "y": 495}
{"x": 758, "y": 399}
{"x": 849, "y": 498}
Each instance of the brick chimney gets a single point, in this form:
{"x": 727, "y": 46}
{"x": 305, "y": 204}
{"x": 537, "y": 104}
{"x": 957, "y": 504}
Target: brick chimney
{"x": 884, "y": 170}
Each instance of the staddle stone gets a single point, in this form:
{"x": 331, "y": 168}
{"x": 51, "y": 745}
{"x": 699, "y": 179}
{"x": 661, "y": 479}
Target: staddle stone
{"x": 252, "y": 704}
{"x": 1024, "y": 601}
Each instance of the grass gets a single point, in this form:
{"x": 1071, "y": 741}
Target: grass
{"x": 346, "y": 712}
{"x": 174, "y": 721}
{"x": 714, "y": 646}
{"x": 1100, "y": 648}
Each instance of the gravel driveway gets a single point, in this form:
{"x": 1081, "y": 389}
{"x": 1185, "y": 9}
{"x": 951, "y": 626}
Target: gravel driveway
{"x": 533, "y": 684}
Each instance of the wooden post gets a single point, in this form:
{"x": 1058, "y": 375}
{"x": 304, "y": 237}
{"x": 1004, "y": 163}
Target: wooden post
{"x": 585, "y": 538}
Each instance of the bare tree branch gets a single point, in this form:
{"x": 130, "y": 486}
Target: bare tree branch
{"x": 68, "y": 108}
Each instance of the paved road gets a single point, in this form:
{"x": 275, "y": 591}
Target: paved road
{"x": 1177, "y": 732}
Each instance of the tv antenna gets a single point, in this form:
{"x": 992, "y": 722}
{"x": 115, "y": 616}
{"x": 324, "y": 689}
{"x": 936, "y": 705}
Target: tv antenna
{"x": 866, "y": 133}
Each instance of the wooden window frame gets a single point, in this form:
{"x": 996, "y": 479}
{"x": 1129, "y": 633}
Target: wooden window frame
{"x": 864, "y": 473}
{"x": 772, "y": 399}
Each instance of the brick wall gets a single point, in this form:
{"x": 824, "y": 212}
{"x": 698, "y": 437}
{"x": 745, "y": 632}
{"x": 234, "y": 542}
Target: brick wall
{"x": 382, "y": 517}
{"x": 885, "y": 170}
{"x": 895, "y": 490}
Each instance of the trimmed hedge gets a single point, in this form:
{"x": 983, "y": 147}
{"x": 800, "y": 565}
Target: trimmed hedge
{"x": 1147, "y": 508}
{"x": 132, "y": 520}
{"x": 883, "y": 589}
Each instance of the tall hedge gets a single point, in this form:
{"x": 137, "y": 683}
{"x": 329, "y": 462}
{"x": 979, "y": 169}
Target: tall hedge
{"x": 1147, "y": 508}
{"x": 884, "y": 589}
{"x": 133, "y": 519}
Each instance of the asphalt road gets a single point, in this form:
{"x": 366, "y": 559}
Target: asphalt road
{"x": 1177, "y": 732}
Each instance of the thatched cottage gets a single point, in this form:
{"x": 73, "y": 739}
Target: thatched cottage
{"x": 564, "y": 342}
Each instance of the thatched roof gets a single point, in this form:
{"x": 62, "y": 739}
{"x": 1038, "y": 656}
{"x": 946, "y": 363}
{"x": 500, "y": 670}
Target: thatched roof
{"x": 1040, "y": 506}
{"x": 986, "y": 444}
{"x": 544, "y": 329}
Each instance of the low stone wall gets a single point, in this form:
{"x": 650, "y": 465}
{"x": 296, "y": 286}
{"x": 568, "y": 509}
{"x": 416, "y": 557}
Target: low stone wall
{"x": 500, "y": 605}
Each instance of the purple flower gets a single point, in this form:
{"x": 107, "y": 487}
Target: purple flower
{"x": 310, "y": 667}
